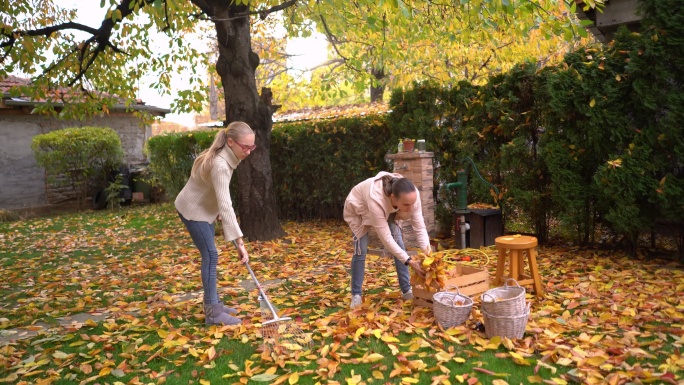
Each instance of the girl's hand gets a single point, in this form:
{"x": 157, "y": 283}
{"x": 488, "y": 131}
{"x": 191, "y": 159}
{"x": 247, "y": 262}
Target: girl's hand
{"x": 242, "y": 253}
{"x": 415, "y": 265}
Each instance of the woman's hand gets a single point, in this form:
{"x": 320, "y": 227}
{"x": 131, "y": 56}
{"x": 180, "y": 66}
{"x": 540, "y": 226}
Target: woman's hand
{"x": 415, "y": 265}
{"x": 242, "y": 251}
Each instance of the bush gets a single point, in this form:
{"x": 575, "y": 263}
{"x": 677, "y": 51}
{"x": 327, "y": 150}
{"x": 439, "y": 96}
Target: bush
{"x": 316, "y": 164}
{"x": 78, "y": 157}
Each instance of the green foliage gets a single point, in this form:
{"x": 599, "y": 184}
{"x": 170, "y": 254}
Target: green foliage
{"x": 78, "y": 157}
{"x": 171, "y": 157}
{"x": 435, "y": 114}
{"x": 113, "y": 192}
{"x": 595, "y": 141}
{"x": 315, "y": 164}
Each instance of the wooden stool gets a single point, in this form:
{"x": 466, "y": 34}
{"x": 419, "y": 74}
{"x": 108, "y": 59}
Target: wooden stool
{"x": 514, "y": 248}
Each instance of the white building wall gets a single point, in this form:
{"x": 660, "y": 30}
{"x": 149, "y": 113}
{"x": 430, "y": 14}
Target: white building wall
{"x": 22, "y": 182}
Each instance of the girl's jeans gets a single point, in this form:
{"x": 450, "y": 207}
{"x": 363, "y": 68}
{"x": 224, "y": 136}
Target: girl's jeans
{"x": 202, "y": 234}
{"x": 358, "y": 264}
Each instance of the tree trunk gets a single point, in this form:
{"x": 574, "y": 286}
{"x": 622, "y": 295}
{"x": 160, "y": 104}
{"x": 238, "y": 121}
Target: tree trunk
{"x": 377, "y": 89}
{"x": 236, "y": 65}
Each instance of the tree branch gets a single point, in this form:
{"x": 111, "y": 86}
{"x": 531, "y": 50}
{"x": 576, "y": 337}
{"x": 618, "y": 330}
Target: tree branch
{"x": 88, "y": 50}
{"x": 331, "y": 38}
{"x": 263, "y": 13}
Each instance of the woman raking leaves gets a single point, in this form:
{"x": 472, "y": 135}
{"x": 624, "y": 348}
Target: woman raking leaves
{"x": 206, "y": 196}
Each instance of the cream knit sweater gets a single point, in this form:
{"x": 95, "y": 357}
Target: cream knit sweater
{"x": 203, "y": 200}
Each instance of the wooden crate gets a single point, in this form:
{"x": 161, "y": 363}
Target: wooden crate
{"x": 470, "y": 281}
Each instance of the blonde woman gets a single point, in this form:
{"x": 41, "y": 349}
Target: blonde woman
{"x": 207, "y": 196}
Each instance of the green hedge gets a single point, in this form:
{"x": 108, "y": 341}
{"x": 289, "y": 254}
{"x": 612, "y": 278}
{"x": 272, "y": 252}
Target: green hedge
{"x": 171, "y": 157}
{"x": 315, "y": 164}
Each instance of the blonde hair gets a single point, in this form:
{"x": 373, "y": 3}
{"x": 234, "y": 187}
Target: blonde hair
{"x": 205, "y": 160}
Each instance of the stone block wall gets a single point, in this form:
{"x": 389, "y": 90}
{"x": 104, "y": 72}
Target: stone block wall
{"x": 23, "y": 181}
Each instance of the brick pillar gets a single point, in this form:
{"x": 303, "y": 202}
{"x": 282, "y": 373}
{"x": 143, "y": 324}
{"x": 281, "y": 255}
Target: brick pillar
{"x": 418, "y": 167}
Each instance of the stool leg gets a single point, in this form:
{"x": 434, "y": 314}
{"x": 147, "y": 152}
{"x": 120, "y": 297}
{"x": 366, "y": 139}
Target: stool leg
{"x": 515, "y": 269}
{"x": 521, "y": 264}
{"x": 538, "y": 291}
{"x": 501, "y": 261}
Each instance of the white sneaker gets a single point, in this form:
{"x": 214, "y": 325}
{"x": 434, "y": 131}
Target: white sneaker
{"x": 355, "y": 301}
{"x": 408, "y": 295}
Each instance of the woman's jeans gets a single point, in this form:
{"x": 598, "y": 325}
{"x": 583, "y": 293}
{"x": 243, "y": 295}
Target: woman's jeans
{"x": 358, "y": 264}
{"x": 202, "y": 234}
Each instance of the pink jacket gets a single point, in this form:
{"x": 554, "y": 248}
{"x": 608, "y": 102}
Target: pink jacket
{"x": 367, "y": 206}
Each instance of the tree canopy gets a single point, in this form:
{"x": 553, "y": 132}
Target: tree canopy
{"x": 87, "y": 69}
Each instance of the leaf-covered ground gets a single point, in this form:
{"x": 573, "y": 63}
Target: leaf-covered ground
{"x": 606, "y": 318}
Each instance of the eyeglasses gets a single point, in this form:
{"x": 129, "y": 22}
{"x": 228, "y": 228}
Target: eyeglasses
{"x": 246, "y": 148}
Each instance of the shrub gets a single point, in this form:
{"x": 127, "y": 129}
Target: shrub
{"x": 78, "y": 157}
{"x": 315, "y": 164}
{"x": 171, "y": 157}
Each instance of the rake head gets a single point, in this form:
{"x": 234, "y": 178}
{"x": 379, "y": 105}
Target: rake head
{"x": 284, "y": 337}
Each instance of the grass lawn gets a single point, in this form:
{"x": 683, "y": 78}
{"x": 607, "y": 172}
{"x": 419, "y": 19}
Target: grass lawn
{"x": 606, "y": 318}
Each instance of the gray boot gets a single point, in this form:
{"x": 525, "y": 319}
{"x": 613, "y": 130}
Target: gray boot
{"x": 228, "y": 310}
{"x": 213, "y": 315}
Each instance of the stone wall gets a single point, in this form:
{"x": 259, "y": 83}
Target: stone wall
{"x": 23, "y": 182}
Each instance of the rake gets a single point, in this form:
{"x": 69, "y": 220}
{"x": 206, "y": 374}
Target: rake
{"x": 281, "y": 334}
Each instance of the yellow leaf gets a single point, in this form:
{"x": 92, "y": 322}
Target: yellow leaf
{"x": 359, "y": 332}
{"x": 460, "y": 360}
{"x": 294, "y": 378}
{"x": 409, "y": 380}
{"x": 388, "y": 338}
{"x": 377, "y": 333}
{"x": 592, "y": 103}
{"x": 11, "y": 378}
{"x": 378, "y": 375}
{"x": 559, "y": 381}
{"x": 443, "y": 356}
{"x": 211, "y": 353}
{"x": 518, "y": 359}
{"x": 375, "y": 357}
{"x": 499, "y": 381}
{"x": 535, "y": 379}
{"x": 325, "y": 350}
{"x": 618, "y": 78}
{"x": 596, "y": 360}
{"x": 271, "y": 370}
{"x": 204, "y": 382}
{"x": 162, "y": 333}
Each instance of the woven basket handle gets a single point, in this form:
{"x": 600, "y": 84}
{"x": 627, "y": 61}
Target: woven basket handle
{"x": 511, "y": 279}
{"x": 488, "y": 295}
{"x": 458, "y": 293}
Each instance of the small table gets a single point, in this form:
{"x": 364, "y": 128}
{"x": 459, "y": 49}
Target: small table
{"x": 514, "y": 248}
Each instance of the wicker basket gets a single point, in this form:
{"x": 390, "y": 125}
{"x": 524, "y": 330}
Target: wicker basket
{"x": 511, "y": 327}
{"x": 447, "y": 312}
{"x": 504, "y": 301}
